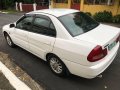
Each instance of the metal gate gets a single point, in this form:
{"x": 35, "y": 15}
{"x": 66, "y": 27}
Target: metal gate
{"x": 75, "y": 4}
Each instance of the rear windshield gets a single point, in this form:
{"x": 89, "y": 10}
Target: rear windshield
{"x": 78, "y": 23}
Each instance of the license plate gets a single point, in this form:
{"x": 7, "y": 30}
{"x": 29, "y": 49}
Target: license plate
{"x": 111, "y": 45}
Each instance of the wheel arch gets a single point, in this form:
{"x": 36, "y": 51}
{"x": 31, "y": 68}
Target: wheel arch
{"x": 52, "y": 54}
{"x": 5, "y": 33}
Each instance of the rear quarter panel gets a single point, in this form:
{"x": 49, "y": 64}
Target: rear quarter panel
{"x": 73, "y": 50}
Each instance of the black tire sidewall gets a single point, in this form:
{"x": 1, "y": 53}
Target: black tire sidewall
{"x": 12, "y": 44}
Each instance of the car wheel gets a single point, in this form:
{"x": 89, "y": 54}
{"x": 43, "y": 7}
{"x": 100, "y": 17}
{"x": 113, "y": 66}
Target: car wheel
{"x": 9, "y": 41}
{"x": 57, "y": 66}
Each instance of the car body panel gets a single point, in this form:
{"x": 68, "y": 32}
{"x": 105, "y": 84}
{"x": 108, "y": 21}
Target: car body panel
{"x": 70, "y": 50}
{"x": 20, "y": 37}
{"x": 101, "y": 35}
{"x": 94, "y": 70}
{"x": 55, "y": 12}
{"x": 40, "y": 44}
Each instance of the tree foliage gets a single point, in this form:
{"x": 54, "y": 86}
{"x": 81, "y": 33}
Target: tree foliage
{"x": 25, "y": 1}
{"x": 11, "y": 3}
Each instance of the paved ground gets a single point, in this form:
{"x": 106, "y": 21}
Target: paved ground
{"x": 41, "y": 73}
{"x": 15, "y": 75}
{"x": 4, "y": 83}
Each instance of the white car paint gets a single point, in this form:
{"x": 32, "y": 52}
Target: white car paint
{"x": 73, "y": 51}
{"x": 40, "y": 44}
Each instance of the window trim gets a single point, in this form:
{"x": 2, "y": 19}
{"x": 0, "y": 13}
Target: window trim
{"x": 25, "y": 15}
{"x": 78, "y": 2}
{"x": 47, "y": 18}
{"x": 67, "y": 27}
{"x": 100, "y": 2}
{"x": 61, "y": 1}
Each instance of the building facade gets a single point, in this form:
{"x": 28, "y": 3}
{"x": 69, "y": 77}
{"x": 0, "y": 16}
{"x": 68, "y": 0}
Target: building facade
{"x": 91, "y": 6}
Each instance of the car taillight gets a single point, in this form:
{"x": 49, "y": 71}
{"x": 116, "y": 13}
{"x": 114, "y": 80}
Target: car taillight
{"x": 118, "y": 38}
{"x": 97, "y": 53}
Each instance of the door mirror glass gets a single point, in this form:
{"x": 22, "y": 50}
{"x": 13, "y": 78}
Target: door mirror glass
{"x": 12, "y": 25}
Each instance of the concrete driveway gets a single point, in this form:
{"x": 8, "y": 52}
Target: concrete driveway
{"x": 41, "y": 73}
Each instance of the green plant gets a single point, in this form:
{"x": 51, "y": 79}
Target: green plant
{"x": 8, "y": 4}
{"x": 116, "y": 19}
{"x": 104, "y": 16}
{"x": 88, "y": 13}
{"x": 26, "y": 1}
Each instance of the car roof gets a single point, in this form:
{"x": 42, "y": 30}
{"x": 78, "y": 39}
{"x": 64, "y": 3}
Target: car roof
{"x": 54, "y": 12}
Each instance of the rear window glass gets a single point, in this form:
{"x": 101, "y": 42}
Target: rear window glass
{"x": 78, "y": 23}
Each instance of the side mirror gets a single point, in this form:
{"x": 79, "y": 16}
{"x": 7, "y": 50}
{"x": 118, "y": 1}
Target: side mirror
{"x": 12, "y": 25}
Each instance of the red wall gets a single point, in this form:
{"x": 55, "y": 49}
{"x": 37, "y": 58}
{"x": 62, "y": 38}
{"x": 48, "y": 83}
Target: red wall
{"x": 75, "y": 6}
{"x": 27, "y": 7}
{"x": 41, "y": 7}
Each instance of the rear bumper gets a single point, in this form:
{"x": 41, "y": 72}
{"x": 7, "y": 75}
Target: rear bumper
{"x": 92, "y": 71}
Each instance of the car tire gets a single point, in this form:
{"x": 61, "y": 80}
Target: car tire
{"x": 9, "y": 41}
{"x": 57, "y": 66}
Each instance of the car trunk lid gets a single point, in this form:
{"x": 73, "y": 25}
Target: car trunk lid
{"x": 102, "y": 35}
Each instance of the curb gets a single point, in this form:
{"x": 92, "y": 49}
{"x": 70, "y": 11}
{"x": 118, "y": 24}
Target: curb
{"x": 4, "y": 12}
{"x": 19, "y": 73}
{"x": 14, "y": 81}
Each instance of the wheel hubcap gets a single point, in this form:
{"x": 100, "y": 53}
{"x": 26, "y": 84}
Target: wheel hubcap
{"x": 56, "y": 65}
{"x": 9, "y": 41}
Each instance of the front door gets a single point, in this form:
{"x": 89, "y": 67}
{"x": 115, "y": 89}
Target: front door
{"x": 75, "y": 4}
{"x": 20, "y": 32}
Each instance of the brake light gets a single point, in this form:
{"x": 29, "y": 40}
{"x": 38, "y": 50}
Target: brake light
{"x": 97, "y": 53}
{"x": 118, "y": 38}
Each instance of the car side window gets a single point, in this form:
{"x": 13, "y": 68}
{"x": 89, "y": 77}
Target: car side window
{"x": 25, "y": 23}
{"x": 52, "y": 26}
{"x": 42, "y": 22}
{"x": 43, "y": 26}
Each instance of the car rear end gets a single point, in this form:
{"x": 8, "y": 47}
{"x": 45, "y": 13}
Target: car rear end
{"x": 103, "y": 54}
{"x": 103, "y": 59}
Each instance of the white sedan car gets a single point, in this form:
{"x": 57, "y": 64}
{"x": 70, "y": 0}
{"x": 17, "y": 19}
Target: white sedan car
{"x": 69, "y": 40}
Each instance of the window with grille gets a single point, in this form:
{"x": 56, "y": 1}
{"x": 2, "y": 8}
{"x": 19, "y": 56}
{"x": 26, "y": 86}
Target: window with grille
{"x": 100, "y": 2}
{"x": 76, "y": 1}
{"x": 61, "y": 1}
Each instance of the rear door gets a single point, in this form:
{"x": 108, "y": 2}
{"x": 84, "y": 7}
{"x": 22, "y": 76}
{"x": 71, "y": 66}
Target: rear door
{"x": 42, "y": 36}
